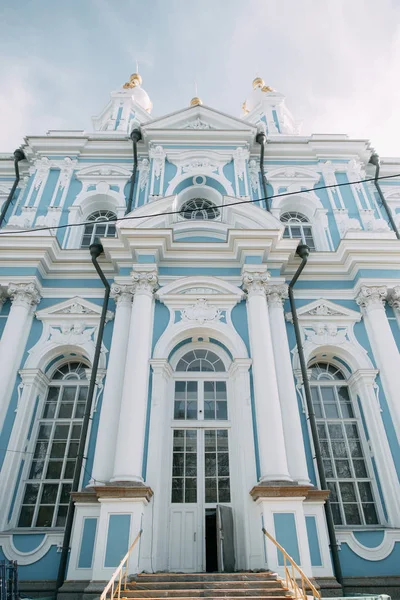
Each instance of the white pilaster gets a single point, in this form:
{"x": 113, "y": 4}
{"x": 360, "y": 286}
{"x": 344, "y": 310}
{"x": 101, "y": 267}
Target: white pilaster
{"x": 372, "y": 302}
{"x": 131, "y": 430}
{"x": 287, "y": 392}
{"x": 271, "y": 444}
{"x": 394, "y": 301}
{"x": 111, "y": 405}
{"x": 24, "y": 297}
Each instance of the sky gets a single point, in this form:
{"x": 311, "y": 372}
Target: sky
{"x": 337, "y": 62}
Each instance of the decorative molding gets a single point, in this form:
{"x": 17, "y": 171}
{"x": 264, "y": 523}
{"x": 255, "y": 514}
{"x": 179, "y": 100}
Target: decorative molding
{"x": 197, "y": 124}
{"x": 321, "y": 309}
{"x": 76, "y": 310}
{"x": 240, "y": 156}
{"x": 344, "y": 222}
{"x": 157, "y": 154}
{"x": 255, "y": 283}
{"x": 201, "y": 312}
{"x": 28, "y": 558}
{"x": 42, "y": 168}
{"x": 277, "y": 294}
{"x": 254, "y": 176}
{"x": 23, "y": 220}
{"x": 66, "y": 170}
{"x": 394, "y": 297}
{"x": 144, "y": 281}
{"x": 380, "y": 552}
{"x": 122, "y": 293}
{"x": 144, "y": 171}
{"x": 51, "y": 218}
{"x": 275, "y": 490}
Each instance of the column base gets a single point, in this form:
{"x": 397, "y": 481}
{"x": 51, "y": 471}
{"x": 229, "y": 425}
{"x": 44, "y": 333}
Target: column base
{"x": 127, "y": 479}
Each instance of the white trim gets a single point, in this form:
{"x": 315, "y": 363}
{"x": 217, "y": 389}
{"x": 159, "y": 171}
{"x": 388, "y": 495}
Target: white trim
{"x": 28, "y": 558}
{"x": 379, "y": 552}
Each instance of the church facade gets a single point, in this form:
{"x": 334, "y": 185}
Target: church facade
{"x": 199, "y": 399}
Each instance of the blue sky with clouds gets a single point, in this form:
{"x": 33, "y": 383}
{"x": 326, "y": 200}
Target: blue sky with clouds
{"x": 336, "y": 62}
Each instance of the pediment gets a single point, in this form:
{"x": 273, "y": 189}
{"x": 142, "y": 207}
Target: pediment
{"x": 199, "y": 286}
{"x": 107, "y": 171}
{"x": 290, "y": 172}
{"x": 323, "y": 310}
{"x": 73, "y": 309}
{"x": 199, "y": 118}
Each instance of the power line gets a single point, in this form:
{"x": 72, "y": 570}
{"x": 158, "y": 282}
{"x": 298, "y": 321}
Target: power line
{"x": 177, "y": 212}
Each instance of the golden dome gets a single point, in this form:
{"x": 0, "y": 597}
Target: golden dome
{"x": 134, "y": 80}
{"x": 244, "y": 108}
{"x": 267, "y": 88}
{"x": 258, "y": 82}
{"x": 195, "y": 101}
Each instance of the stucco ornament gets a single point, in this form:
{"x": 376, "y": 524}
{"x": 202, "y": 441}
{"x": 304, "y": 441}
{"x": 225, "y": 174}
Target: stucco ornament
{"x": 78, "y": 309}
{"x": 146, "y": 281}
{"x": 72, "y": 334}
{"x": 355, "y": 173}
{"x": 201, "y": 312}
{"x": 199, "y": 164}
{"x": 24, "y": 294}
{"x": 277, "y": 294}
{"x": 198, "y": 124}
{"x": 394, "y": 298}
{"x": 344, "y": 222}
{"x": 122, "y": 293}
{"x": 370, "y": 298}
{"x": 67, "y": 168}
{"x": 51, "y": 218}
{"x": 324, "y": 310}
{"x": 255, "y": 283}
{"x": 42, "y": 166}
{"x": 157, "y": 153}
{"x": 144, "y": 170}
{"x": 254, "y": 171}
{"x": 240, "y": 156}
{"x": 326, "y": 333}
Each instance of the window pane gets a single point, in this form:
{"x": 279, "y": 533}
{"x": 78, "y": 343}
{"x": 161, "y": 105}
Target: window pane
{"x": 54, "y": 469}
{"x": 364, "y": 488}
{"x": 209, "y": 409}
{"x": 371, "y": 518}
{"x": 61, "y": 432}
{"x": 49, "y": 493}
{"x": 61, "y": 516}
{"x": 352, "y": 514}
{"x": 177, "y": 490}
{"x": 359, "y": 468}
{"x": 222, "y": 410}
{"x": 31, "y": 492}
{"x": 190, "y": 490}
{"x": 211, "y": 490}
{"x": 26, "y": 515}
{"x": 343, "y": 468}
{"x": 65, "y": 493}
{"x": 210, "y": 461}
{"x": 348, "y": 492}
{"x": 179, "y": 410}
{"x": 45, "y": 516}
{"x": 337, "y": 517}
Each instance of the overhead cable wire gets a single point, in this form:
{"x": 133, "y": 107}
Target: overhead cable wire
{"x": 177, "y": 212}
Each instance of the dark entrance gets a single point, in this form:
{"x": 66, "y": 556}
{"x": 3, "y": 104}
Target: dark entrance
{"x": 211, "y": 540}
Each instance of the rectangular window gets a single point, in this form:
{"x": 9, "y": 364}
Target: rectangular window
{"x": 186, "y": 399}
{"x": 216, "y": 466}
{"x": 46, "y": 493}
{"x": 184, "y": 466}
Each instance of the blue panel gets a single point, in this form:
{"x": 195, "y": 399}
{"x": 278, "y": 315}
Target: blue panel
{"x": 253, "y": 260}
{"x": 147, "y": 428}
{"x": 146, "y": 258}
{"x": 286, "y": 535}
{"x": 27, "y": 542}
{"x": 254, "y": 421}
{"x": 87, "y": 545}
{"x": 355, "y": 566}
{"x": 201, "y": 238}
{"x": 161, "y": 320}
{"x": 313, "y": 542}
{"x": 217, "y": 272}
{"x": 47, "y": 193}
{"x": 239, "y": 321}
{"x": 45, "y": 568}
{"x": 371, "y": 539}
{"x": 117, "y": 539}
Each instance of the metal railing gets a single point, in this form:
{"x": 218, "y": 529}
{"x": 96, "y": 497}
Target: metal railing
{"x": 9, "y": 580}
{"x": 293, "y": 574}
{"x": 118, "y": 580}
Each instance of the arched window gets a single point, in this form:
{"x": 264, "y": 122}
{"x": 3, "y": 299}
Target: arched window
{"x": 47, "y": 486}
{"x": 200, "y": 360}
{"x": 100, "y": 227}
{"x": 297, "y": 226}
{"x": 200, "y": 209}
{"x": 339, "y": 430}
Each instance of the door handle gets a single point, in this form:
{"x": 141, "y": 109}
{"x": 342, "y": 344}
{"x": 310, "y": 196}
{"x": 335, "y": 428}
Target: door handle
{"x": 194, "y": 536}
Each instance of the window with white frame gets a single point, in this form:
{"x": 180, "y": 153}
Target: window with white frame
{"x": 297, "y": 226}
{"x": 100, "y": 225}
{"x": 199, "y": 209}
{"x": 347, "y": 471}
{"x": 48, "y": 483}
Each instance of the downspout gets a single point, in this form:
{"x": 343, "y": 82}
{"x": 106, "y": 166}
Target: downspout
{"x": 135, "y": 137}
{"x": 18, "y": 155}
{"x": 303, "y": 251}
{"x": 260, "y": 139}
{"x": 95, "y": 251}
{"x": 374, "y": 160}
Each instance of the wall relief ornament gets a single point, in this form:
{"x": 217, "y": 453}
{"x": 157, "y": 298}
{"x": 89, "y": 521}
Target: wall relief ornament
{"x": 51, "y": 218}
{"x": 42, "y": 167}
{"x": 254, "y": 175}
{"x": 201, "y": 312}
{"x": 277, "y": 294}
{"x": 144, "y": 170}
{"x": 394, "y": 297}
{"x": 370, "y": 298}
{"x": 198, "y": 124}
{"x": 240, "y": 156}
{"x": 200, "y": 164}
{"x": 67, "y": 168}
{"x": 122, "y": 293}
{"x": 324, "y": 310}
{"x": 326, "y": 334}
{"x": 157, "y": 153}
{"x": 71, "y": 333}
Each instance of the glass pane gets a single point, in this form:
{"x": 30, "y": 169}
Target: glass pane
{"x": 364, "y": 488}
{"x": 36, "y": 469}
{"x": 49, "y": 410}
{"x": 359, "y": 468}
{"x": 191, "y": 465}
{"x": 49, "y": 493}
{"x": 54, "y": 469}
{"x": 31, "y": 492}
{"x": 58, "y": 450}
{"x": 191, "y": 490}
{"x": 65, "y": 411}
{"x": 177, "y": 490}
{"x": 44, "y": 432}
{"x": 191, "y": 441}
{"x": 76, "y": 432}
{"x": 335, "y": 431}
{"x": 221, "y": 390}
{"x": 343, "y": 394}
{"x": 210, "y": 462}
{"x": 327, "y": 394}
{"x": 322, "y": 433}
{"x": 79, "y": 410}
{"x": 209, "y": 441}
{"x": 178, "y": 464}
{"x": 61, "y": 432}
{"x": 223, "y": 463}
{"x": 331, "y": 411}
{"x": 180, "y": 390}
{"x": 179, "y": 409}
{"x": 73, "y": 450}
{"x": 343, "y": 468}
{"x": 69, "y": 469}
{"x": 209, "y": 409}
{"x": 209, "y": 390}
{"x": 192, "y": 390}
{"x": 45, "y": 516}
{"x": 65, "y": 493}
{"x": 337, "y": 517}
{"x": 222, "y": 410}
{"x": 332, "y": 487}
{"x": 41, "y": 450}
{"x": 355, "y": 449}
{"x": 325, "y": 450}
{"x": 351, "y": 430}
{"x": 352, "y": 514}
{"x": 191, "y": 410}
{"x": 68, "y": 394}
{"x": 328, "y": 468}
{"x": 371, "y": 518}
{"x": 211, "y": 490}
{"x": 25, "y": 517}
{"x": 348, "y": 492}
{"x": 61, "y": 516}
{"x": 179, "y": 440}
{"x": 347, "y": 410}
{"x": 224, "y": 491}
{"x": 339, "y": 449}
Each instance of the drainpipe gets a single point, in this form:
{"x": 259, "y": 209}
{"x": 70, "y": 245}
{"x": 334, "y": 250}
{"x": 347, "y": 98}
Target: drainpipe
{"x": 18, "y": 155}
{"x": 261, "y": 139}
{"x": 374, "y": 160}
{"x": 135, "y": 137}
{"x": 303, "y": 251}
{"x": 95, "y": 251}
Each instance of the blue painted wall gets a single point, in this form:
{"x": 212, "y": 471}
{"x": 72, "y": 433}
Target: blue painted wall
{"x": 85, "y": 558}
{"x": 117, "y": 539}
{"x": 286, "y": 536}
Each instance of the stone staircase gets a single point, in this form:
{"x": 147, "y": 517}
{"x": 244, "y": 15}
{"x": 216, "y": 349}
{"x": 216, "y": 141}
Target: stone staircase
{"x": 253, "y": 586}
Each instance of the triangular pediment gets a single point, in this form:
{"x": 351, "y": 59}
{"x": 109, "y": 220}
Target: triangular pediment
{"x": 290, "y": 172}
{"x": 199, "y": 118}
{"x": 71, "y": 310}
{"x": 108, "y": 171}
{"x": 322, "y": 309}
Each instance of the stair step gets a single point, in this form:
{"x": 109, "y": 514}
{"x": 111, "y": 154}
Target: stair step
{"x": 210, "y": 592}
{"x": 264, "y": 576}
{"x": 128, "y": 595}
{"x": 204, "y": 584}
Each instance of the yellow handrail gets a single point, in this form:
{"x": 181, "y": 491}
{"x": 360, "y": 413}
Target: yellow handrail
{"x": 120, "y": 574}
{"x": 290, "y": 577}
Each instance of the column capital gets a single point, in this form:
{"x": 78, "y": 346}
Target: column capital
{"x": 144, "y": 282}
{"x": 277, "y": 294}
{"x": 394, "y": 298}
{"x": 122, "y": 294}
{"x": 372, "y": 297}
{"x": 255, "y": 282}
{"x": 3, "y": 296}
{"x": 24, "y": 294}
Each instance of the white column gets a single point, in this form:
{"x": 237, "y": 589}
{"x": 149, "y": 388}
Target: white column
{"x": 372, "y": 302}
{"x": 394, "y": 301}
{"x": 111, "y": 406}
{"x": 131, "y": 430}
{"x": 271, "y": 443}
{"x": 24, "y": 297}
{"x": 292, "y": 431}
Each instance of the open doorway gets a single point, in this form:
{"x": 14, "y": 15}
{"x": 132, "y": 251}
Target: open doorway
{"x": 211, "y": 540}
